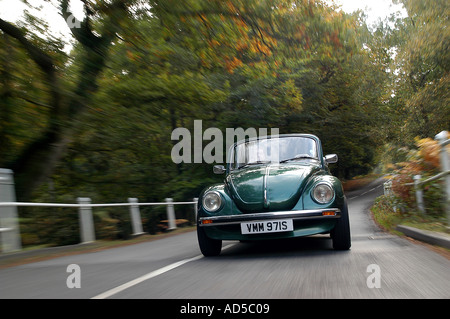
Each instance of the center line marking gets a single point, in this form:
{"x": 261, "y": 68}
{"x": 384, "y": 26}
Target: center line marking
{"x": 150, "y": 275}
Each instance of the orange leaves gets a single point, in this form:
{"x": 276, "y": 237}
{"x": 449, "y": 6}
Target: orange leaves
{"x": 424, "y": 161}
{"x": 231, "y": 64}
{"x": 241, "y": 45}
{"x": 130, "y": 55}
{"x": 202, "y": 18}
{"x": 230, "y": 6}
{"x": 429, "y": 150}
{"x": 240, "y": 22}
{"x": 256, "y": 46}
{"x": 231, "y": 33}
{"x": 335, "y": 39}
{"x": 213, "y": 43}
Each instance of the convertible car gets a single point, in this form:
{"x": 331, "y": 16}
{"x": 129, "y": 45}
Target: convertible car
{"x": 275, "y": 187}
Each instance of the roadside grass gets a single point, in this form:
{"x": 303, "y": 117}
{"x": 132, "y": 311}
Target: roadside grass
{"x": 388, "y": 218}
{"x": 384, "y": 215}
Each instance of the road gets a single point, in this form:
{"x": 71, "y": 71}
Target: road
{"x": 379, "y": 265}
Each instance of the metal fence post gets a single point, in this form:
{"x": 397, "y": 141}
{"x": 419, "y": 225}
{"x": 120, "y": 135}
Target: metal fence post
{"x": 87, "y": 233}
{"x": 387, "y": 188}
{"x": 136, "y": 221}
{"x": 171, "y": 215}
{"x": 442, "y": 138}
{"x": 195, "y": 209}
{"x": 9, "y": 224}
{"x": 419, "y": 193}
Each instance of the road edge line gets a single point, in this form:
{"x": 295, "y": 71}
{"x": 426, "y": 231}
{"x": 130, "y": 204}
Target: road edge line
{"x": 148, "y": 276}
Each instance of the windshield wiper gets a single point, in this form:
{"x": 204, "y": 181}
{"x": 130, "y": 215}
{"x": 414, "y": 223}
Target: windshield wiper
{"x": 253, "y": 163}
{"x": 301, "y": 156}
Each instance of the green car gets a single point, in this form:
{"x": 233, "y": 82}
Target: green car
{"x": 275, "y": 187}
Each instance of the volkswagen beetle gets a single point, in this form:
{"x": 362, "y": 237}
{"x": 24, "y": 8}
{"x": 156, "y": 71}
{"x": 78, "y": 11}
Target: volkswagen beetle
{"x": 275, "y": 187}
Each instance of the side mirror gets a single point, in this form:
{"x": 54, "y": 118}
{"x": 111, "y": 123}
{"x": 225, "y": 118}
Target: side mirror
{"x": 331, "y": 158}
{"x": 219, "y": 169}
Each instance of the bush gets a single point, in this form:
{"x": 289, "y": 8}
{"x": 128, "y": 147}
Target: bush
{"x": 433, "y": 198}
{"x": 422, "y": 161}
{"x": 403, "y": 177}
{"x": 151, "y": 217}
{"x": 387, "y": 211}
{"x": 105, "y": 226}
{"x": 49, "y": 226}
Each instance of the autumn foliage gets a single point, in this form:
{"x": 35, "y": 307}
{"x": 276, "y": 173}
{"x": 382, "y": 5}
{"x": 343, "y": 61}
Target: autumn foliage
{"x": 97, "y": 121}
{"x": 424, "y": 161}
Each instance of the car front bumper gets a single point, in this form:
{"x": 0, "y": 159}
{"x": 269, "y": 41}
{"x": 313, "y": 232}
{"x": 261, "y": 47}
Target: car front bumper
{"x": 292, "y": 214}
{"x": 305, "y": 222}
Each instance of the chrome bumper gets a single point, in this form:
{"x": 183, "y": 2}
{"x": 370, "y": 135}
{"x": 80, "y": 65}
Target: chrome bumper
{"x": 292, "y": 214}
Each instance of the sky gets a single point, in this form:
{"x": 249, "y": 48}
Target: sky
{"x": 12, "y": 10}
{"x": 375, "y": 9}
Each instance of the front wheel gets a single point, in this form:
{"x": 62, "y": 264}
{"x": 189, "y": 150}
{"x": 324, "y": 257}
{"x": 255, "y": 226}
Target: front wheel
{"x": 341, "y": 232}
{"x": 208, "y": 246}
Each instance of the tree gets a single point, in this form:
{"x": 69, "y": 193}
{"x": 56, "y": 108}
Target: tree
{"x": 300, "y": 66}
{"x": 423, "y": 63}
{"x": 38, "y": 157}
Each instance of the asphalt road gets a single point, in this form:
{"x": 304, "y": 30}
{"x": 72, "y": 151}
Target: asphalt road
{"x": 378, "y": 265}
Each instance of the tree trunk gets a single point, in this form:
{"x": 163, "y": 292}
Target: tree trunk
{"x": 38, "y": 159}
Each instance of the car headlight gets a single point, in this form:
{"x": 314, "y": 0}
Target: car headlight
{"x": 212, "y": 201}
{"x": 323, "y": 193}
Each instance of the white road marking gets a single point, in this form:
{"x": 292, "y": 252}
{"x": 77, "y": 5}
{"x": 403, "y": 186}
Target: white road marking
{"x": 150, "y": 275}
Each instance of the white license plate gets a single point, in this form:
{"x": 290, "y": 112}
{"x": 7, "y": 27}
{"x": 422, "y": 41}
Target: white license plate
{"x": 267, "y": 226}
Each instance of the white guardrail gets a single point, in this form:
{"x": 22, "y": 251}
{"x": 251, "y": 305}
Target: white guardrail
{"x": 9, "y": 225}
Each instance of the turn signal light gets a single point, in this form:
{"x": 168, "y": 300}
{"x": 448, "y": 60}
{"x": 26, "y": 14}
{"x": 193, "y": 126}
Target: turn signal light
{"x": 207, "y": 221}
{"x": 329, "y": 213}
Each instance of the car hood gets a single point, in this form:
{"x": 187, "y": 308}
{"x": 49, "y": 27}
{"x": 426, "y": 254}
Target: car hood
{"x": 269, "y": 187}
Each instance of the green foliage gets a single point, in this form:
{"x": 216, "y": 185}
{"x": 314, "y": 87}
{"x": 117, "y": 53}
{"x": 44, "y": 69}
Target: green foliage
{"x": 422, "y": 63}
{"x": 49, "y": 226}
{"x": 388, "y": 212}
{"x": 102, "y": 117}
{"x": 384, "y": 213}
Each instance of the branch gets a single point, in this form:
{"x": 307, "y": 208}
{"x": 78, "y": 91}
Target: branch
{"x": 33, "y": 102}
{"x": 42, "y": 59}
{"x": 327, "y": 77}
{"x": 82, "y": 32}
{"x": 132, "y": 43}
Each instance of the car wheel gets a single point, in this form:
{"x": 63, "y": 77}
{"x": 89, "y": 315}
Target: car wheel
{"x": 208, "y": 246}
{"x": 340, "y": 234}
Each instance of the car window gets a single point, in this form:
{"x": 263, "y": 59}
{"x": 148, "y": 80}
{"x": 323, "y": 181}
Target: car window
{"x": 274, "y": 150}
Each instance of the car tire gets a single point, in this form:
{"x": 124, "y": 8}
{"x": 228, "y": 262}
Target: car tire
{"x": 340, "y": 234}
{"x": 208, "y": 246}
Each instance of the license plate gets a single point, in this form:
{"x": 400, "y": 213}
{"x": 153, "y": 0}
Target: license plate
{"x": 267, "y": 226}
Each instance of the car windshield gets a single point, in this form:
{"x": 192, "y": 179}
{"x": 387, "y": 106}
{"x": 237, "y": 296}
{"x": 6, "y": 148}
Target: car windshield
{"x": 274, "y": 150}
